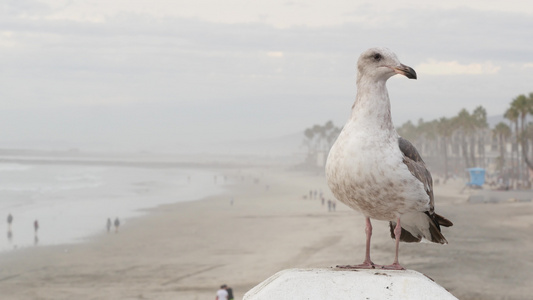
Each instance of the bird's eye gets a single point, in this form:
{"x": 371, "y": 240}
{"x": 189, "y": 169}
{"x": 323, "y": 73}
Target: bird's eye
{"x": 377, "y": 57}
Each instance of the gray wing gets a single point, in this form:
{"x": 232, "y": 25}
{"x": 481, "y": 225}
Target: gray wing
{"x": 417, "y": 167}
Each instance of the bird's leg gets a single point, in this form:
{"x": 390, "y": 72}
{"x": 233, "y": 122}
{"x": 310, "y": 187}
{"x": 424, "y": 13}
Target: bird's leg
{"x": 367, "y": 264}
{"x": 368, "y": 231}
{"x": 397, "y": 232}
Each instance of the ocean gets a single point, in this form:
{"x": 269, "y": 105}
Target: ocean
{"x": 73, "y": 202}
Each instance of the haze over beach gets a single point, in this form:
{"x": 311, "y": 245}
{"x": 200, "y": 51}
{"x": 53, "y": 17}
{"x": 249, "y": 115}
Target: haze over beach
{"x": 204, "y": 127}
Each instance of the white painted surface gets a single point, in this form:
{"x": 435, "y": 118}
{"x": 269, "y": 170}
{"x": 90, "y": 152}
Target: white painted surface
{"x": 321, "y": 284}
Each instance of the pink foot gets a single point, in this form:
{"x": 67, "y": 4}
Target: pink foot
{"x": 394, "y": 266}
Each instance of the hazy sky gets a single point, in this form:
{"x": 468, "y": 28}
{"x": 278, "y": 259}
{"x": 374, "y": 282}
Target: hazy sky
{"x": 146, "y": 74}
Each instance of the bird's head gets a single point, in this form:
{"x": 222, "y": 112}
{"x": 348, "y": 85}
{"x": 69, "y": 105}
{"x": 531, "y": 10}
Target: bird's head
{"x": 381, "y": 64}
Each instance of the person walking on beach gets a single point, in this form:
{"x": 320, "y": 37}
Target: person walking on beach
{"x": 9, "y": 221}
{"x": 230, "y": 293}
{"x": 108, "y": 225}
{"x": 222, "y": 294}
{"x": 117, "y": 224}
{"x": 36, "y": 226}
{"x": 9, "y": 233}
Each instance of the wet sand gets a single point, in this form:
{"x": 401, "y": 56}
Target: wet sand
{"x": 187, "y": 250}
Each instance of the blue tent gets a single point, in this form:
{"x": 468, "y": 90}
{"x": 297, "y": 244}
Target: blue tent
{"x": 477, "y": 177}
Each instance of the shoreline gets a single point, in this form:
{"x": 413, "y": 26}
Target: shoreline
{"x": 72, "y": 204}
{"x": 186, "y": 250}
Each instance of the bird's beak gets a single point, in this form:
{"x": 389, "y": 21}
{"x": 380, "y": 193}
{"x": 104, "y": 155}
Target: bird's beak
{"x": 406, "y": 71}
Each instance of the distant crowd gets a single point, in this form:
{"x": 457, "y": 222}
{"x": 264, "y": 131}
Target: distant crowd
{"x": 10, "y": 219}
{"x": 318, "y": 194}
{"x": 10, "y": 229}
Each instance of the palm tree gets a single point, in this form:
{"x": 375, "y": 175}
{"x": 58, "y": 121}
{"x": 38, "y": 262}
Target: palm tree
{"x": 309, "y": 134}
{"x": 464, "y": 123}
{"x": 502, "y": 131}
{"x": 523, "y": 106}
{"x": 528, "y": 137}
{"x": 479, "y": 119}
{"x": 320, "y": 138}
{"x": 319, "y": 132}
{"x": 445, "y": 129}
{"x": 428, "y": 131}
{"x": 512, "y": 115}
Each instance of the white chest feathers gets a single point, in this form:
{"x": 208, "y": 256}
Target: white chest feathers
{"x": 365, "y": 171}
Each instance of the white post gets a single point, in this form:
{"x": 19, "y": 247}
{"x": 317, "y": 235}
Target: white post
{"x": 321, "y": 284}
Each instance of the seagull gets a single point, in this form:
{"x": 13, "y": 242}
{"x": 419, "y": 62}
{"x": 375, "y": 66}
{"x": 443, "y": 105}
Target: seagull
{"x": 373, "y": 170}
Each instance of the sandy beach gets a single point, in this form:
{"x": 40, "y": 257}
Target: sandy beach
{"x": 187, "y": 250}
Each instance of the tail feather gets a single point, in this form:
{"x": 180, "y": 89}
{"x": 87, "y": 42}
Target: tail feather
{"x": 442, "y": 220}
{"x": 418, "y": 226}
